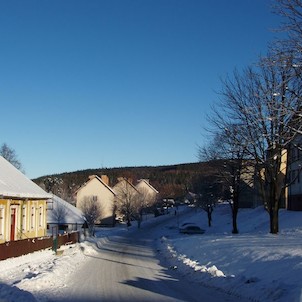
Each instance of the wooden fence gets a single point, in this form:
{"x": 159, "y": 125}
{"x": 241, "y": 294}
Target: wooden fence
{"x": 22, "y": 247}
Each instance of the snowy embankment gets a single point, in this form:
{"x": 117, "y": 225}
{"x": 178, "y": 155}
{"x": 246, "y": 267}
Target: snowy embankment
{"x": 253, "y": 264}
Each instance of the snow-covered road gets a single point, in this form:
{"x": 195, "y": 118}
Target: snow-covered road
{"x": 127, "y": 267}
{"x": 138, "y": 265}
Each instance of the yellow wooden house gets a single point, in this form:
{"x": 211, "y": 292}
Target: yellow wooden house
{"x": 23, "y": 205}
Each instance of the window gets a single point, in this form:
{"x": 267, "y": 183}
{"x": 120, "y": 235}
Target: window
{"x": 1, "y": 222}
{"x": 41, "y": 216}
{"x": 32, "y": 217}
{"x": 24, "y": 217}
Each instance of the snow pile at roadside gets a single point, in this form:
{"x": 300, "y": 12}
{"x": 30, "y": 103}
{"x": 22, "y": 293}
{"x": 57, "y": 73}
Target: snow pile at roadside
{"x": 40, "y": 276}
{"x": 41, "y": 273}
{"x": 252, "y": 264}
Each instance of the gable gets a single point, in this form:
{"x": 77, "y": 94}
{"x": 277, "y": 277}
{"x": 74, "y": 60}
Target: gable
{"x": 145, "y": 185}
{"x": 94, "y": 185}
{"x": 124, "y": 185}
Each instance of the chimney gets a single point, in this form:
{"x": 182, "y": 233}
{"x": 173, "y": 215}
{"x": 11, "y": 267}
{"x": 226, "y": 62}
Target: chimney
{"x": 105, "y": 179}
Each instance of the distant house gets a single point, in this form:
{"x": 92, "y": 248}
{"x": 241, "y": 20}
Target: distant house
{"x": 97, "y": 189}
{"x": 249, "y": 195}
{"x": 64, "y": 216}
{"x": 149, "y": 193}
{"x": 294, "y": 179}
{"x": 22, "y": 205}
{"x": 127, "y": 199}
{"x": 125, "y": 189}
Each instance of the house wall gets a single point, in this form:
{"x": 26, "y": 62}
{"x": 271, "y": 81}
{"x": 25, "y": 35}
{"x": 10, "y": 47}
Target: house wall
{"x": 123, "y": 188}
{"x": 294, "y": 177}
{"x": 149, "y": 193}
{"x": 21, "y": 219}
{"x": 126, "y": 194}
{"x": 97, "y": 191}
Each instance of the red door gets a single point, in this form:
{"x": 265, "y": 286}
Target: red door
{"x": 12, "y": 223}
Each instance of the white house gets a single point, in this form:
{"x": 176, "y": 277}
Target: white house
{"x": 97, "y": 189}
{"x": 150, "y": 194}
{"x": 64, "y": 216}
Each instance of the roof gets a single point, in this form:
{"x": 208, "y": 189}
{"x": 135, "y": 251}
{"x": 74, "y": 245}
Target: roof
{"x": 124, "y": 179}
{"x": 64, "y": 212}
{"x": 14, "y": 184}
{"x": 146, "y": 181}
{"x": 99, "y": 179}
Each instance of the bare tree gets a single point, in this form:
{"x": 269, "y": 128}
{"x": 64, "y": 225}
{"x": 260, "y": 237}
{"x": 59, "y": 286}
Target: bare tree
{"x": 291, "y": 11}
{"x": 10, "y": 155}
{"x": 53, "y": 184}
{"x": 232, "y": 165}
{"x": 265, "y": 104}
{"x": 59, "y": 212}
{"x": 206, "y": 202}
{"x": 147, "y": 199}
{"x": 92, "y": 212}
{"x": 127, "y": 200}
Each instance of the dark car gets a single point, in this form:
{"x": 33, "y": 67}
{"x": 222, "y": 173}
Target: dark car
{"x": 186, "y": 224}
{"x": 191, "y": 229}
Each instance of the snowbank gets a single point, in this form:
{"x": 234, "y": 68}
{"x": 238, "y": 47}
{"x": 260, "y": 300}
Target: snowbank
{"x": 252, "y": 264}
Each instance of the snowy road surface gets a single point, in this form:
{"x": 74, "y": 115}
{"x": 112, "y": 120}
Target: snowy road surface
{"x": 136, "y": 265}
{"x": 126, "y": 268}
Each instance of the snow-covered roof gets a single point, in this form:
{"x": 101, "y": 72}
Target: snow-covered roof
{"x": 63, "y": 212}
{"x": 14, "y": 184}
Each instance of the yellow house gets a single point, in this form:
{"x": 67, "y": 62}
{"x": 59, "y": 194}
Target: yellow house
{"x": 22, "y": 205}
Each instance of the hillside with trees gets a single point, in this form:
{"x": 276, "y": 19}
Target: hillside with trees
{"x": 172, "y": 181}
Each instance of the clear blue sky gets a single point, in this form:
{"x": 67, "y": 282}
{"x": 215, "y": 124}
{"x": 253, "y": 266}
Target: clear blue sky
{"x": 115, "y": 83}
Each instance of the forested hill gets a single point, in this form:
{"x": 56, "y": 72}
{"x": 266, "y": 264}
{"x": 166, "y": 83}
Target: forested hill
{"x": 171, "y": 181}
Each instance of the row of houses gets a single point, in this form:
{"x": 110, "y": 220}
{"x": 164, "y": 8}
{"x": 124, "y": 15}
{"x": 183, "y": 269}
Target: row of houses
{"x": 27, "y": 211}
{"x": 98, "y": 190}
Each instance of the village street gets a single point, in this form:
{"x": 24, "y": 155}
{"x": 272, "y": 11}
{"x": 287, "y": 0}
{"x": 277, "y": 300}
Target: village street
{"x": 127, "y": 268}
{"x": 157, "y": 263}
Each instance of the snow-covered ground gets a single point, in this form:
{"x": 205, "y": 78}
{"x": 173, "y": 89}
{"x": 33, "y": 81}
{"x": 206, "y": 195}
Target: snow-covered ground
{"x": 253, "y": 264}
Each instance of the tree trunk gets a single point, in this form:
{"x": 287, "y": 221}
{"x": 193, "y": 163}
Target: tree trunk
{"x": 139, "y": 221}
{"x": 128, "y": 220}
{"x": 274, "y": 220}
{"x": 234, "y": 208}
{"x": 209, "y": 217}
{"x": 234, "y": 216}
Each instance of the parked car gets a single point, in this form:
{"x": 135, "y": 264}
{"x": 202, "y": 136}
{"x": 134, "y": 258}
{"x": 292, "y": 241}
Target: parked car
{"x": 191, "y": 229}
{"x": 186, "y": 224}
